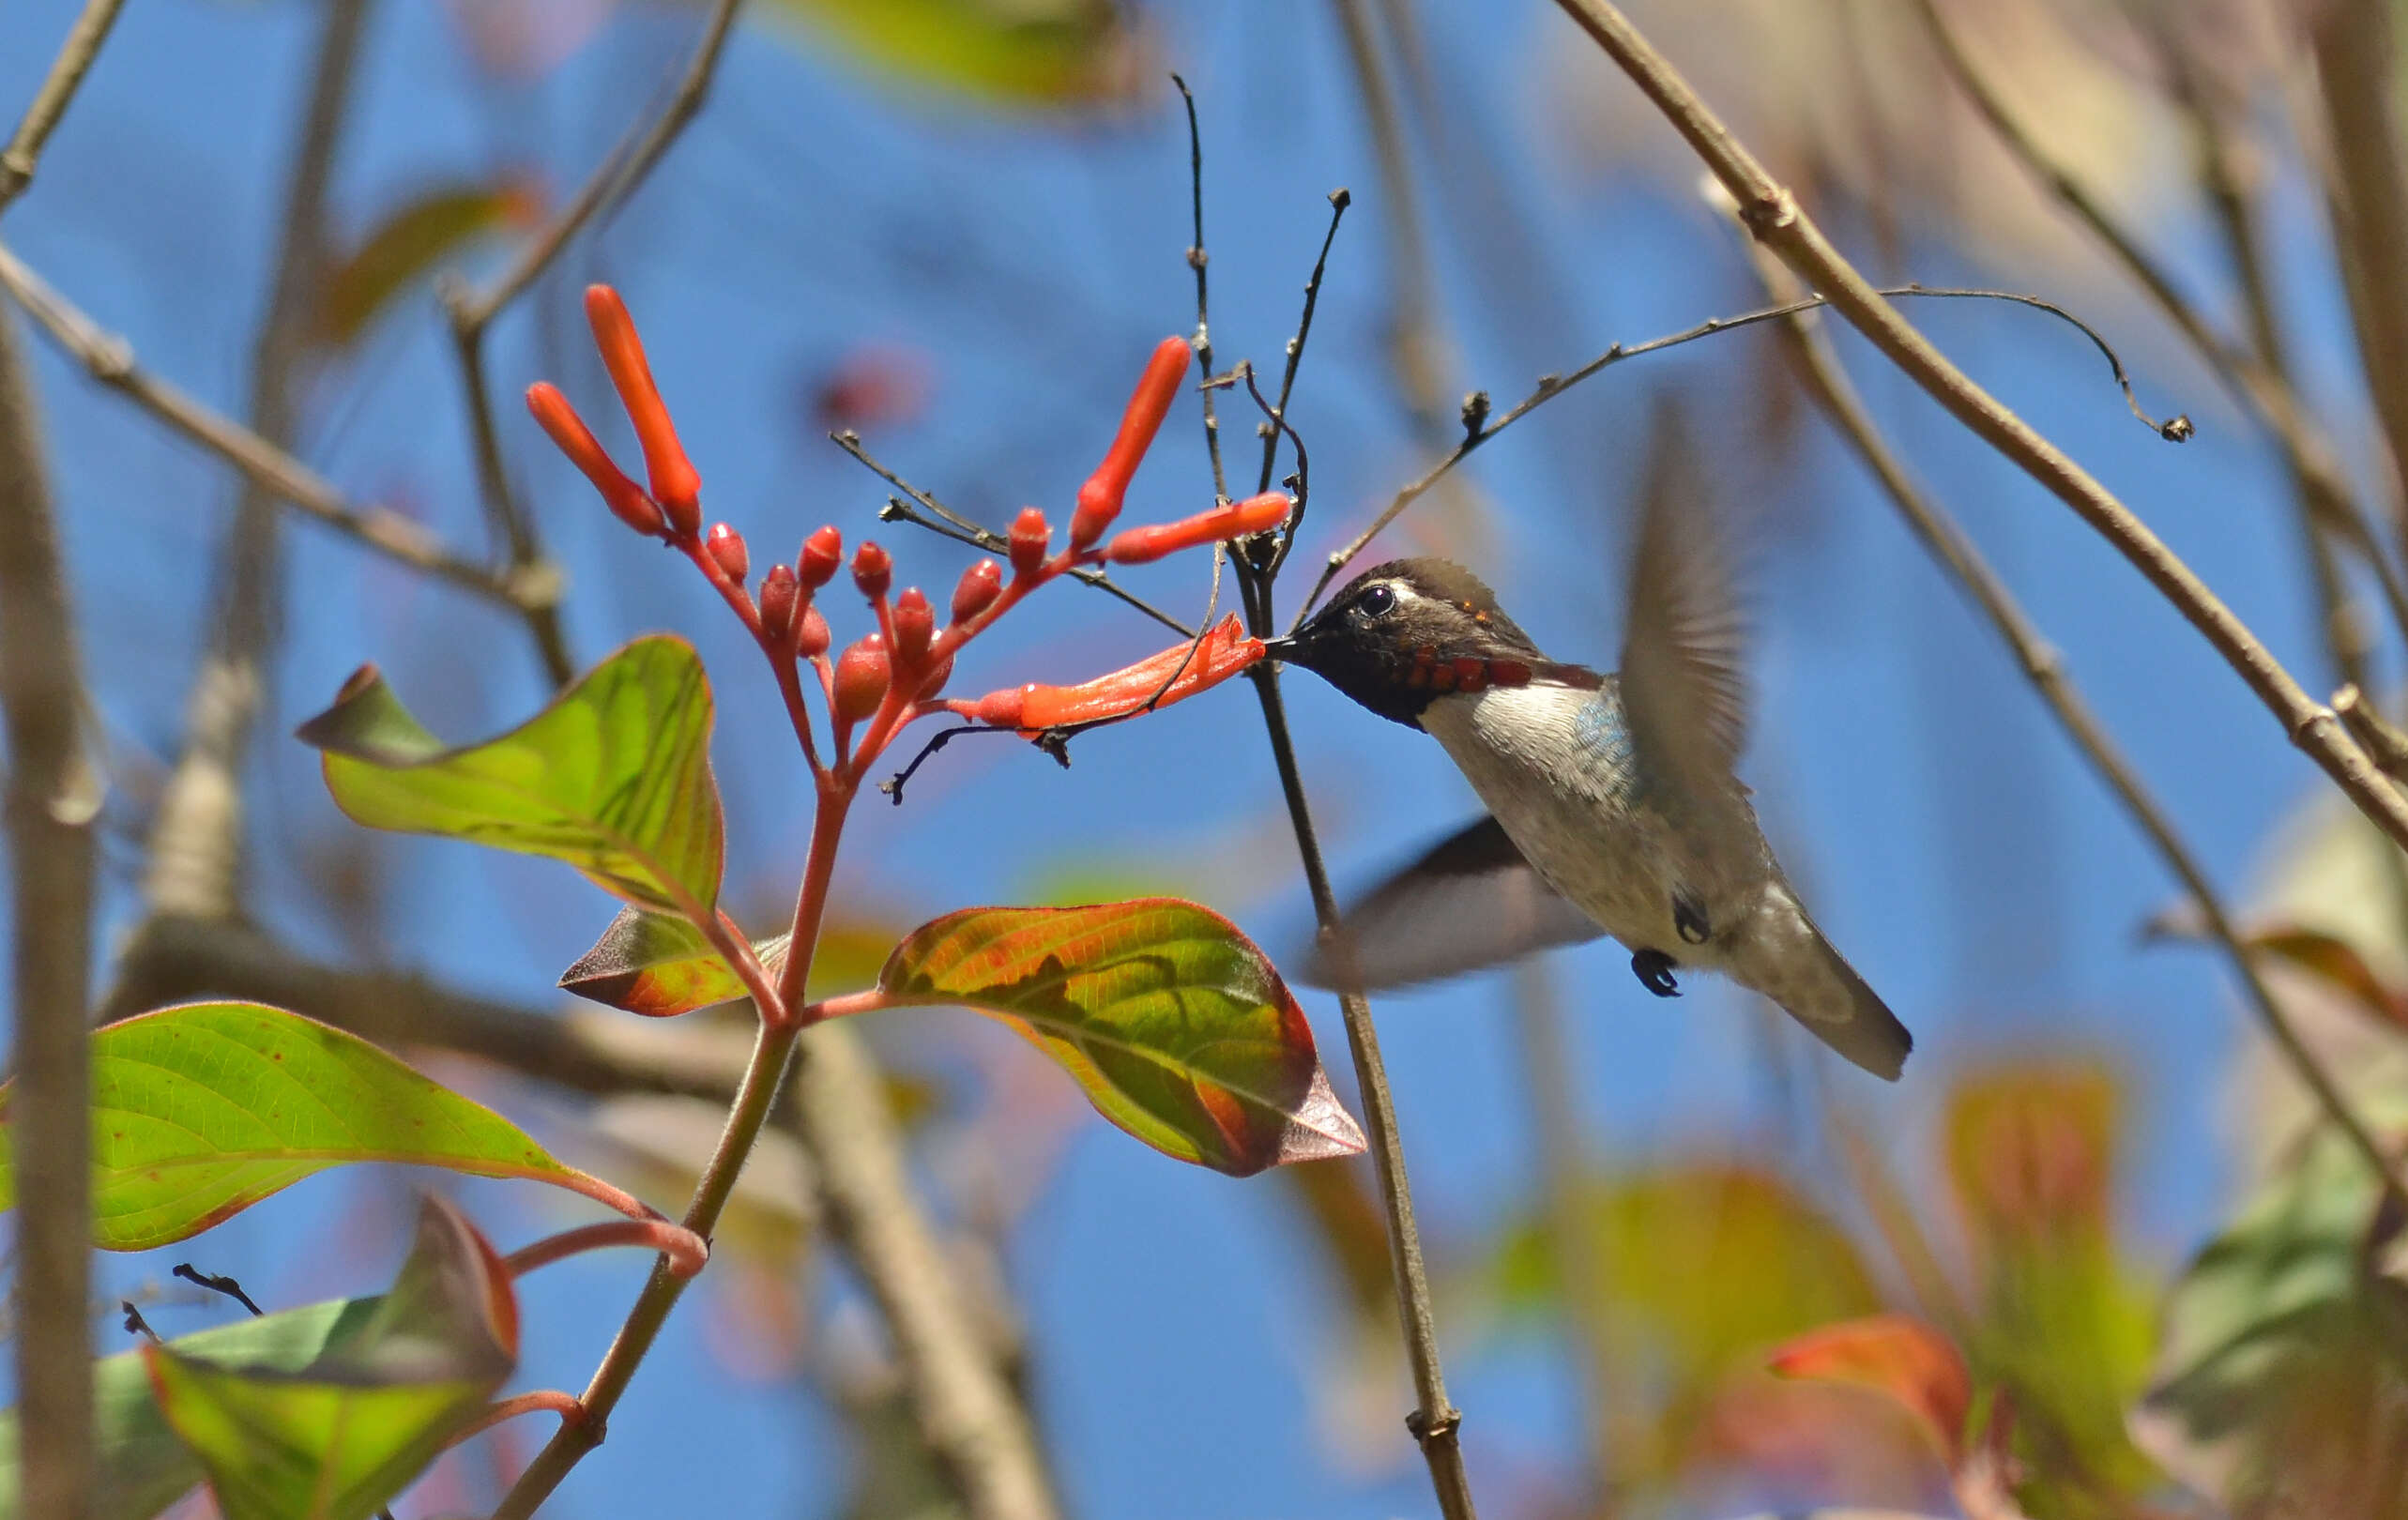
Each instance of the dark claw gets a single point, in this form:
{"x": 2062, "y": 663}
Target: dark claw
{"x": 1689, "y": 918}
{"x": 1655, "y": 969}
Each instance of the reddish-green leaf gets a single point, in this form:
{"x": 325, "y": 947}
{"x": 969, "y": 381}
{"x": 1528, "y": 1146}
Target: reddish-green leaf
{"x": 201, "y": 1111}
{"x": 660, "y": 966}
{"x": 406, "y": 245}
{"x": 1174, "y": 1023}
{"x": 1891, "y": 1354}
{"x": 336, "y": 1438}
{"x": 613, "y": 777}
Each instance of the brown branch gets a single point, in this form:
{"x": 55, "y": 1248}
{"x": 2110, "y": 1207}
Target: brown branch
{"x": 2354, "y": 46}
{"x": 24, "y": 150}
{"x": 52, "y": 797}
{"x": 2258, "y": 379}
{"x": 969, "y": 1417}
{"x": 617, "y": 179}
{"x": 2387, "y": 743}
{"x": 196, "y": 839}
{"x": 110, "y": 359}
{"x": 2045, "y": 668}
{"x": 1773, "y": 215}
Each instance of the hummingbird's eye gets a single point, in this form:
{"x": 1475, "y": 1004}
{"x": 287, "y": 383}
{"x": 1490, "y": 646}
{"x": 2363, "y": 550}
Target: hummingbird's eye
{"x": 1377, "y": 601}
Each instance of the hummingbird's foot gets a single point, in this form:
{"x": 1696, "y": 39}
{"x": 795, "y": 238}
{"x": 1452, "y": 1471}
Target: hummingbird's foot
{"x": 1655, "y": 969}
{"x": 1689, "y": 918}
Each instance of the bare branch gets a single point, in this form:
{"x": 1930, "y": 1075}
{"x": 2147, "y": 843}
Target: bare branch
{"x": 75, "y": 55}
{"x": 52, "y": 797}
{"x": 110, "y": 359}
{"x": 2045, "y": 668}
{"x": 1773, "y": 215}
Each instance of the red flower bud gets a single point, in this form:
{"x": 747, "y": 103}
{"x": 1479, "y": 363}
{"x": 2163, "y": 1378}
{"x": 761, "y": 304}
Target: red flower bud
{"x": 1031, "y": 535}
{"x": 862, "y": 678}
{"x": 873, "y": 571}
{"x": 727, "y": 551}
{"x": 1099, "y": 499}
{"x": 1143, "y": 545}
{"x": 569, "y": 432}
{"x": 1177, "y": 673}
{"x": 915, "y": 625}
{"x": 675, "y": 484}
{"x": 779, "y": 595}
{"x": 811, "y": 634}
{"x": 977, "y": 589}
{"x": 822, "y": 553}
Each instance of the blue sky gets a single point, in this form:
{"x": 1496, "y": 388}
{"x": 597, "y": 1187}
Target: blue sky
{"x": 1947, "y": 838}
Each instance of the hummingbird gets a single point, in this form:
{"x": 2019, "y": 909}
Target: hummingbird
{"x": 1613, "y": 806}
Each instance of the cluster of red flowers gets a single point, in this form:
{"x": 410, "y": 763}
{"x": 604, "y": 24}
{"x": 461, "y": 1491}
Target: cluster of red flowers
{"x": 894, "y": 675}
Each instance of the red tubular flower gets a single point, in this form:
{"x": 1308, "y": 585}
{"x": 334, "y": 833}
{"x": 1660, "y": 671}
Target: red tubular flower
{"x": 570, "y": 435}
{"x": 915, "y": 628}
{"x": 810, "y": 638}
{"x": 727, "y": 551}
{"x": 862, "y": 677}
{"x": 977, "y": 589}
{"x": 1143, "y": 545}
{"x": 873, "y": 571}
{"x": 675, "y": 484}
{"x": 1100, "y": 498}
{"x": 1224, "y": 651}
{"x": 1030, "y": 536}
{"x": 780, "y": 595}
{"x": 823, "y": 552}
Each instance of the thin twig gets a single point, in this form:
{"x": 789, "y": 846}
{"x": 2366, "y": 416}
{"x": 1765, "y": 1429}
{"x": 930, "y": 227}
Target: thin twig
{"x": 1340, "y": 198}
{"x": 1480, "y": 424}
{"x": 110, "y": 359}
{"x": 1773, "y": 215}
{"x": 1197, "y": 260}
{"x": 987, "y": 540}
{"x": 1435, "y": 1422}
{"x": 2257, "y": 379}
{"x": 2046, "y": 670}
{"x": 2384, "y": 741}
{"x": 54, "y": 794}
{"x": 24, "y": 150}
{"x": 614, "y": 181}
{"x": 215, "y": 1284}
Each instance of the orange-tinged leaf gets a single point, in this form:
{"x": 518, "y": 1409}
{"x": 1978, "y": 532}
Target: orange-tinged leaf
{"x": 1905, "y": 1359}
{"x": 1173, "y": 1022}
{"x": 2338, "y": 961}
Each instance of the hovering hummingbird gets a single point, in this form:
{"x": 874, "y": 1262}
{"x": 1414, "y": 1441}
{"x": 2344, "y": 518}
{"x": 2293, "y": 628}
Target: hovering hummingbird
{"x": 1613, "y": 808}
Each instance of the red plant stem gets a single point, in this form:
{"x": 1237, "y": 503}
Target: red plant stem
{"x": 564, "y": 1405}
{"x": 811, "y": 903}
{"x": 781, "y": 662}
{"x": 844, "y": 1006}
{"x": 685, "y": 1250}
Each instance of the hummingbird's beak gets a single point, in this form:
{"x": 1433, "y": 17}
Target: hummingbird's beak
{"x": 1281, "y": 648}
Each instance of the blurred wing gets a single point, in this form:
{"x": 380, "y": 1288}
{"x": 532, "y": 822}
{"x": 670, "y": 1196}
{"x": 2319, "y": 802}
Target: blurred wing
{"x": 1470, "y": 902}
{"x": 1682, "y": 685}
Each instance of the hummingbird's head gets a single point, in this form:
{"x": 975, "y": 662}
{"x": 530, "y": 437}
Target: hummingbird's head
{"x": 1403, "y": 634}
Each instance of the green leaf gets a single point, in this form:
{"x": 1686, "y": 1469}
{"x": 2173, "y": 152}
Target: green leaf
{"x": 405, "y": 246}
{"x": 342, "y": 1435}
{"x": 660, "y": 966}
{"x": 201, "y": 1111}
{"x": 143, "y": 1467}
{"x": 613, "y": 777}
{"x": 1173, "y": 1022}
{"x": 1008, "y": 53}
{"x": 2283, "y": 1373}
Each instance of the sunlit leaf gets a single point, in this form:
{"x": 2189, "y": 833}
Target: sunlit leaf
{"x": 2284, "y": 1372}
{"x": 1009, "y": 52}
{"x": 659, "y": 965}
{"x": 337, "y": 1437}
{"x": 1174, "y": 1023}
{"x": 201, "y": 1111}
{"x": 407, "y": 245}
{"x": 1916, "y": 1366}
{"x": 613, "y": 777}
{"x": 2338, "y": 961}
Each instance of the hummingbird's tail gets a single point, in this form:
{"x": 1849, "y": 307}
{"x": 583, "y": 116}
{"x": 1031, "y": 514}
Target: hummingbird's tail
{"x": 1787, "y": 960}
